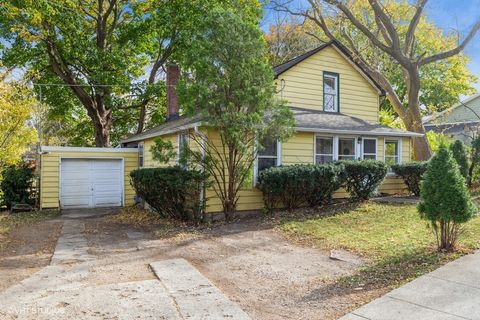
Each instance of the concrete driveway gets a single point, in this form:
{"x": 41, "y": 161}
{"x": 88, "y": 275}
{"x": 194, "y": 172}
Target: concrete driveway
{"x": 451, "y": 292}
{"x": 65, "y": 290}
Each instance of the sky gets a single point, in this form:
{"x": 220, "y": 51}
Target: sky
{"x": 449, "y": 15}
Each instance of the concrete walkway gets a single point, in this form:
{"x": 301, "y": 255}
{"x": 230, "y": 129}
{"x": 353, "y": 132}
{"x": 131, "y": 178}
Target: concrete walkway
{"x": 63, "y": 290}
{"x": 451, "y": 292}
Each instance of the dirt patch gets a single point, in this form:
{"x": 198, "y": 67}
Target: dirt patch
{"x": 252, "y": 263}
{"x": 30, "y": 248}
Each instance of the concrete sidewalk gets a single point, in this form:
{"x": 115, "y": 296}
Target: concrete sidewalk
{"x": 450, "y": 292}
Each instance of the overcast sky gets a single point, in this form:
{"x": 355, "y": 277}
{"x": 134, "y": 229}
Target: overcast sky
{"x": 448, "y": 15}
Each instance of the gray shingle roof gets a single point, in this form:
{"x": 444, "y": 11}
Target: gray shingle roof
{"x": 329, "y": 122}
{"x": 305, "y": 119}
{"x": 183, "y": 122}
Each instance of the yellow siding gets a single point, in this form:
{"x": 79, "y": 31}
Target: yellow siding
{"x": 303, "y": 85}
{"x": 50, "y": 173}
{"x": 148, "y": 161}
{"x": 300, "y": 149}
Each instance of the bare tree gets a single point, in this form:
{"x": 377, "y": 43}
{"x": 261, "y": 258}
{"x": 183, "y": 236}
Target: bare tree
{"x": 388, "y": 39}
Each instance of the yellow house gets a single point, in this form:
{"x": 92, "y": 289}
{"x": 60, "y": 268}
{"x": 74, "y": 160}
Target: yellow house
{"x": 335, "y": 106}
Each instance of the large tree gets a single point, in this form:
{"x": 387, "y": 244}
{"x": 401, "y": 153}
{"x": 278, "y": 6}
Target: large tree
{"x": 229, "y": 81}
{"x": 16, "y": 108}
{"x": 109, "y": 53}
{"x": 382, "y": 33}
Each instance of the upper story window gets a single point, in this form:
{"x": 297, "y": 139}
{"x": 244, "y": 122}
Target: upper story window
{"x": 392, "y": 152}
{"x": 330, "y": 92}
{"x": 182, "y": 144}
{"x": 324, "y": 150}
{"x": 141, "y": 154}
{"x": 369, "y": 148}
{"x": 268, "y": 156}
{"x": 346, "y": 149}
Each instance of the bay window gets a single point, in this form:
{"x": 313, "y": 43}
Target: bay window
{"x": 346, "y": 149}
{"x": 369, "y": 148}
{"x": 392, "y": 152}
{"x": 324, "y": 150}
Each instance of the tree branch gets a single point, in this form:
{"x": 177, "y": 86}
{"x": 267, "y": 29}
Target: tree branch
{"x": 454, "y": 51}
{"x": 410, "y": 36}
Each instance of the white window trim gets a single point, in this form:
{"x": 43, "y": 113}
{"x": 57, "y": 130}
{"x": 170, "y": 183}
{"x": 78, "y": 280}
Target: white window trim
{"x": 399, "y": 141}
{"x": 255, "y": 163}
{"x": 334, "y": 147}
{"x": 335, "y": 101}
{"x": 355, "y": 148}
{"x": 362, "y": 154}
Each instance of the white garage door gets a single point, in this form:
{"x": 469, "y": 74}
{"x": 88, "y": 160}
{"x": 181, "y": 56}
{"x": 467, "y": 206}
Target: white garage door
{"x": 91, "y": 183}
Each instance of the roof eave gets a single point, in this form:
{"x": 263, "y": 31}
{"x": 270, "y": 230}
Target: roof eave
{"x": 360, "y": 132}
{"x": 162, "y": 132}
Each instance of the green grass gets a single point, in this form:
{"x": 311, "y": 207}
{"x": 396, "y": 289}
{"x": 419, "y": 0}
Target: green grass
{"x": 10, "y": 221}
{"x": 397, "y": 244}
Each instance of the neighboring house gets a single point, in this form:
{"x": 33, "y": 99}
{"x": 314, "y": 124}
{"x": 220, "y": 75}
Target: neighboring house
{"x": 335, "y": 105}
{"x": 460, "y": 122}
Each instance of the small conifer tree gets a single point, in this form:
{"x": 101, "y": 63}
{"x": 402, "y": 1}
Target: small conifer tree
{"x": 445, "y": 200}
{"x": 460, "y": 155}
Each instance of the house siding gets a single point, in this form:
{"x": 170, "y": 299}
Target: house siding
{"x": 299, "y": 149}
{"x": 302, "y": 85}
{"x": 50, "y": 173}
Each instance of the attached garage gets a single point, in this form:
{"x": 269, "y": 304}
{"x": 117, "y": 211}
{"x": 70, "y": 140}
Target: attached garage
{"x": 86, "y": 177}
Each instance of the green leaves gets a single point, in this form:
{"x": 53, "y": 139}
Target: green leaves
{"x": 411, "y": 173}
{"x": 227, "y": 79}
{"x": 445, "y": 199}
{"x": 363, "y": 177}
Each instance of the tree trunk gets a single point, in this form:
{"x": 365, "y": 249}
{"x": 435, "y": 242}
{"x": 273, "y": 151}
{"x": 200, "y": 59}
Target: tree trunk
{"x": 413, "y": 119}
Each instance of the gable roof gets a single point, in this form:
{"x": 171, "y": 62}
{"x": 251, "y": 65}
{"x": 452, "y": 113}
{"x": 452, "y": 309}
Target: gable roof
{"x": 359, "y": 66}
{"x": 431, "y": 119}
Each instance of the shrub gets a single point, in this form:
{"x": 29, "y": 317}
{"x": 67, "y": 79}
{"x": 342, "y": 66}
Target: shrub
{"x": 363, "y": 177}
{"x": 445, "y": 200}
{"x": 299, "y": 185}
{"x": 16, "y": 185}
{"x": 460, "y": 155}
{"x": 411, "y": 174}
{"x": 171, "y": 191}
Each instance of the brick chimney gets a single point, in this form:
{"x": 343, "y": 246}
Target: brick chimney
{"x": 173, "y": 74}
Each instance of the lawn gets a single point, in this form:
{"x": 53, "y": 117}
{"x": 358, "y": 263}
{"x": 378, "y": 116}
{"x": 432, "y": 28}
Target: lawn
{"x": 396, "y": 243}
{"x": 9, "y": 221}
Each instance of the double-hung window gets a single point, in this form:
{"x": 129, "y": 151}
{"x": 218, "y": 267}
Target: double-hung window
{"x": 268, "y": 155}
{"x": 330, "y": 92}
{"x": 324, "y": 150}
{"x": 346, "y": 149}
{"x": 141, "y": 154}
{"x": 369, "y": 148}
{"x": 392, "y": 152}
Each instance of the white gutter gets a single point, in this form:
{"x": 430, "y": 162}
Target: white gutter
{"x": 163, "y": 132}
{"x": 359, "y": 132}
{"x": 86, "y": 149}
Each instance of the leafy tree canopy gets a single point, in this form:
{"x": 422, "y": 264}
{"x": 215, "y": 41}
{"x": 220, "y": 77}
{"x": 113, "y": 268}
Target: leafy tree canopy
{"x": 16, "y": 109}
{"x": 443, "y": 82}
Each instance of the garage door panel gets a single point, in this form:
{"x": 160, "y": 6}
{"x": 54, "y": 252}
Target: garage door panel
{"x": 91, "y": 183}
{"x": 76, "y": 201}
{"x": 108, "y": 201}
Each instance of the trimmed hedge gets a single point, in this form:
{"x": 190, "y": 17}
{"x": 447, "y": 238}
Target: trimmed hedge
{"x": 17, "y": 184}
{"x": 363, "y": 177}
{"x": 300, "y": 185}
{"x": 411, "y": 174}
{"x": 171, "y": 191}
